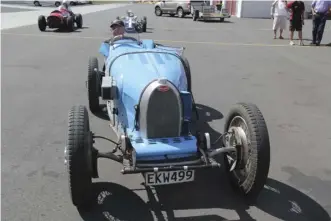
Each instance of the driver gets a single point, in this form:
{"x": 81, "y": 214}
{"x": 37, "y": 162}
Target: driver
{"x": 117, "y": 28}
{"x": 130, "y": 13}
{"x": 65, "y": 6}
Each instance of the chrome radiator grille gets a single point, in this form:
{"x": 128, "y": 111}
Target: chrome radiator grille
{"x": 161, "y": 111}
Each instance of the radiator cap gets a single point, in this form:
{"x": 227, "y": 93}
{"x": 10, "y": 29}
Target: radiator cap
{"x": 162, "y": 81}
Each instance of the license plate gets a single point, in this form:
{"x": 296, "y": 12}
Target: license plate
{"x": 168, "y": 177}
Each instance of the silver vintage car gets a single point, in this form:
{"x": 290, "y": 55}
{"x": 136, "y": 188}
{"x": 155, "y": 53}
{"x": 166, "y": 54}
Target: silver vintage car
{"x": 199, "y": 10}
{"x": 173, "y": 7}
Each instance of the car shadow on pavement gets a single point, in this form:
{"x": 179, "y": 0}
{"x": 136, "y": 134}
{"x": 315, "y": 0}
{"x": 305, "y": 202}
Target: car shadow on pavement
{"x": 287, "y": 203}
{"x": 102, "y": 113}
{"x": 60, "y": 30}
{"x": 114, "y": 202}
{"x": 218, "y": 21}
{"x": 210, "y": 190}
{"x": 175, "y": 16}
{"x": 201, "y": 123}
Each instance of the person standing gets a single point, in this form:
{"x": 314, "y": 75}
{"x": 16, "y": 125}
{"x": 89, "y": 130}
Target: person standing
{"x": 320, "y": 9}
{"x": 297, "y": 9}
{"x": 279, "y": 15}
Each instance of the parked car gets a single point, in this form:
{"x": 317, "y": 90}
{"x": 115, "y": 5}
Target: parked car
{"x": 58, "y": 3}
{"x": 199, "y": 10}
{"x": 172, "y": 8}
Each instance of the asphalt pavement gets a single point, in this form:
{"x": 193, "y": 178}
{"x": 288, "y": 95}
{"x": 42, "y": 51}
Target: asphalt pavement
{"x": 44, "y": 74}
{"x": 10, "y": 10}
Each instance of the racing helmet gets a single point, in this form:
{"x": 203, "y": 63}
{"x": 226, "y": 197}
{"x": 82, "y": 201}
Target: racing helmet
{"x": 130, "y": 13}
{"x": 65, "y": 4}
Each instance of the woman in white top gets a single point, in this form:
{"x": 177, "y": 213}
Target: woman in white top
{"x": 279, "y": 14}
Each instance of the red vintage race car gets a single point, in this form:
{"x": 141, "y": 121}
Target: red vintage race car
{"x": 60, "y": 19}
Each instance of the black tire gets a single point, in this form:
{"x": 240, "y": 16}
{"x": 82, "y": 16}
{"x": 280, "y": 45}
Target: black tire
{"x": 93, "y": 85}
{"x": 188, "y": 74}
{"x": 42, "y": 24}
{"x": 144, "y": 28}
{"x": 70, "y": 23}
{"x": 57, "y": 4}
{"x": 79, "y": 20}
{"x": 180, "y": 12}
{"x": 77, "y": 156}
{"x": 158, "y": 11}
{"x": 195, "y": 15}
{"x": 222, "y": 19}
{"x": 259, "y": 146}
{"x": 37, "y": 3}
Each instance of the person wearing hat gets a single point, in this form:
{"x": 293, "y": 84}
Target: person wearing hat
{"x": 117, "y": 27}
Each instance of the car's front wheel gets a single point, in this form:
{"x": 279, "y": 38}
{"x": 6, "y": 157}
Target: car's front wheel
{"x": 70, "y": 23}
{"x": 42, "y": 23}
{"x": 248, "y": 167}
{"x": 36, "y": 3}
{"x": 79, "y": 20}
{"x": 78, "y": 156}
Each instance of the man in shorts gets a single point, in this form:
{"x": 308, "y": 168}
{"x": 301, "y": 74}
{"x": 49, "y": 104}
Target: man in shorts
{"x": 279, "y": 15}
{"x": 297, "y": 9}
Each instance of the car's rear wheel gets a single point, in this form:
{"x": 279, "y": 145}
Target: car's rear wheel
{"x": 180, "y": 13}
{"x": 78, "y": 156}
{"x": 222, "y": 19}
{"x": 188, "y": 74}
{"x": 93, "y": 85}
{"x": 79, "y": 20}
{"x": 57, "y": 4}
{"x": 248, "y": 167}
{"x": 42, "y": 23}
{"x": 158, "y": 11}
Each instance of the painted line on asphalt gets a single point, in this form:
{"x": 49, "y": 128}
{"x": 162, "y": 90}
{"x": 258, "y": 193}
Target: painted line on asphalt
{"x": 158, "y": 40}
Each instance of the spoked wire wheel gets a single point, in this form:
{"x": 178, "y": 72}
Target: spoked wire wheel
{"x": 248, "y": 167}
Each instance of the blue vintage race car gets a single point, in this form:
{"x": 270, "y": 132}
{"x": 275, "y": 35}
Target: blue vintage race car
{"x": 147, "y": 92}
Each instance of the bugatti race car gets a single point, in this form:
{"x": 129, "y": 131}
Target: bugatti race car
{"x": 140, "y": 25}
{"x": 60, "y": 19}
{"x": 147, "y": 91}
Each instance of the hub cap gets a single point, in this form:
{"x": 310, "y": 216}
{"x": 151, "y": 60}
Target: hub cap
{"x": 239, "y": 124}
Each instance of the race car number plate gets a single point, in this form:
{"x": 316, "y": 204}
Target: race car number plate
{"x": 168, "y": 177}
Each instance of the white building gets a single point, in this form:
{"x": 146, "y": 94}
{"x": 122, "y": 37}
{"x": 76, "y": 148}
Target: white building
{"x": 252, "y": 9}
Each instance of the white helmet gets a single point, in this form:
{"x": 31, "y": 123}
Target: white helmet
{"x": 65, "y": 4}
